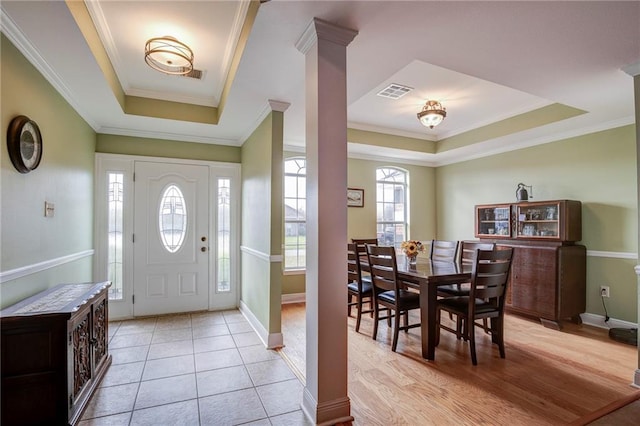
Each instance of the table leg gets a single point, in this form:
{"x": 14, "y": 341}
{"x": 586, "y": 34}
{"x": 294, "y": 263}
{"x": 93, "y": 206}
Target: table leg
{"x": 428, "y": 295}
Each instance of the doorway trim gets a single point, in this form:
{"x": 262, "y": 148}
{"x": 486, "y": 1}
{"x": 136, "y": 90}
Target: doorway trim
{"x": 125, "y": 164}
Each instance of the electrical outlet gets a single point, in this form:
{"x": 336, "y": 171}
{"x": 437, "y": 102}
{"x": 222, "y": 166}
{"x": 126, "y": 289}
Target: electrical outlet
{"x": 604, "y": 290}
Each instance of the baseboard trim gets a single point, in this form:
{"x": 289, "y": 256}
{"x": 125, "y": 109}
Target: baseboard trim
{"x": 294, "y": 298}
{"x": 270, "y": 340}
{"x": 598, "y": 321}
{"x": 327, "y": 413}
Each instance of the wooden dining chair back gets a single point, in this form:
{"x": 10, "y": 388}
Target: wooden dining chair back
{"x": 468, "y": 251}
{"x": 359, "y": 291}
{"x": 487, "y": 291}
{"x": 363, "y": 241}
{"x": 389, "y": 294}
{"x": 443, "y": 251}
{"x": 361, "y": 244}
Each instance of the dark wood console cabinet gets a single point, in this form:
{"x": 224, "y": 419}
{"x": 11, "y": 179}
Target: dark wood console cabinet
{"x": 547, "y": 281}
{"x": 54, "y": 354}
{"x": 549, "y": 270}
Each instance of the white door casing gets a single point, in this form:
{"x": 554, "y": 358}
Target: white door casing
{"x": 223, "y": 225}
{"x": 170, "y": 279}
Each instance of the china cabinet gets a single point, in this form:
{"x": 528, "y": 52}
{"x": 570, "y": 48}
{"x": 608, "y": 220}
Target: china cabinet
{"x": 54, "y": 354}
{"x": 548, "y": 271}
{"x": 493, "y": 221}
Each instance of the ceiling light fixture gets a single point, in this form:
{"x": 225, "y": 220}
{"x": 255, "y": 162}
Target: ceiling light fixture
{"x": 168, "y": 55}
{"x": 432, "y": 114}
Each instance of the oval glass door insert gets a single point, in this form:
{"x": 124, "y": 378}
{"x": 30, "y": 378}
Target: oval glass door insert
{"x": 172, "y": 218}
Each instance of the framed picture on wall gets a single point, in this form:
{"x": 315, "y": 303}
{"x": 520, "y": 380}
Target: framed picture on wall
{"x": 355, "y": 197}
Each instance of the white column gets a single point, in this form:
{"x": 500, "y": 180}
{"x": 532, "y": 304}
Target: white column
{"x": 634, "y": 71}
{"x": 325, "y": 398}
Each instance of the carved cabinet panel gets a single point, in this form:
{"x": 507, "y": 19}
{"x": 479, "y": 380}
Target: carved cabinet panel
{"x": 54, "y": 353}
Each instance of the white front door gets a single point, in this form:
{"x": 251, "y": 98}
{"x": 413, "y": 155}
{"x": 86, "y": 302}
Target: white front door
{"x": 171, "y": 238}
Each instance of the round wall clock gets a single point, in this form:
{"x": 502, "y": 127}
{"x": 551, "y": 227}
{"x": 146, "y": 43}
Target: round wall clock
{"x": 24, "y": 143}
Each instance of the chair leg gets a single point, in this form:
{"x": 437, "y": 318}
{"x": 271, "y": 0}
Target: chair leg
{"x": 359, "y": 313}
{"x": 498, "y": 330}
{"x": 465, "y": 328}
{"x": 396, "y": 330}
{"x": 406, "y": 321}
{"x": 437, "y": 327}
{"x": 459, "y": 326}
{"x": 472, "y": 340}
{"x": 375, "y": 320}
{"x": 349, "y": 302}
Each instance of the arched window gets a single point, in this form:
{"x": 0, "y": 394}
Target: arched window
{"x": 295, "y": 213}
{"x": 392, "y": 213}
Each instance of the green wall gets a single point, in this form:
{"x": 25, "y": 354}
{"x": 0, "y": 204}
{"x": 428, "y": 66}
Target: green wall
{"x": 129, "y": 145}
{"x": 362, "y": 221}
{"x": 64, "y": 177}
{"x": 598, "y": 169}
{"x": 262, "y": 221}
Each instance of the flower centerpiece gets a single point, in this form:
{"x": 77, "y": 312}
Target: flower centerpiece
{"x": 411, "y": 248}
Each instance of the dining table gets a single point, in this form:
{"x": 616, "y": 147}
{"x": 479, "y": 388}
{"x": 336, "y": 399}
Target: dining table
{"x": 426, "y": 276}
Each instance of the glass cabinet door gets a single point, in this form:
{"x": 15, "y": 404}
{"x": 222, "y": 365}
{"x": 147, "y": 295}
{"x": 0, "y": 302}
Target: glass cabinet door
{"x": 540, "y": 220}
{"x": 493, "y": 221}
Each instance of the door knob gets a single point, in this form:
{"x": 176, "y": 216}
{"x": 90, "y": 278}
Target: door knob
{"x": 203, "y": 239}
{"x": 203, "y": 249}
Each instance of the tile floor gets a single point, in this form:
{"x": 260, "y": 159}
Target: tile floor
{"x": 207, "y": 368}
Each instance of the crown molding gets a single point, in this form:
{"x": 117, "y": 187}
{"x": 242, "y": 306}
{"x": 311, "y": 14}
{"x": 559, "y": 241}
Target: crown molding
{"x": 321, "y": 29}
{"x": 632, "y": 69}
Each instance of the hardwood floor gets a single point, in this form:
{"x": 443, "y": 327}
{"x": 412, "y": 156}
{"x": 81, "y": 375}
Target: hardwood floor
{"x": 549, "y": 377}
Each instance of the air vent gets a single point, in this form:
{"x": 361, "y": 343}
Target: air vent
{"x": 194, "y": 73}
{"x": 394, "y": 91}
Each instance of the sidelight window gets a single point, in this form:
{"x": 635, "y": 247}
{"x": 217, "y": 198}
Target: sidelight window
{"x": 295, "y": 213}
{"x": 115, "y": 220}
{"x": 224, "y": 235}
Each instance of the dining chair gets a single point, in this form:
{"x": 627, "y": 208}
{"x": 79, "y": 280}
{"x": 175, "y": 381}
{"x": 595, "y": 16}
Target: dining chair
{"x": 443, "y": 250}
{"x": 389, "y": 292}
{"x": 486, "y": 296}
{"x": 358, "y": 290}
{"x": 361, "y": 248}
{"x": 361, "y": 243}
{"x": 467, "y": 256}
{"x": 467, "y": 253}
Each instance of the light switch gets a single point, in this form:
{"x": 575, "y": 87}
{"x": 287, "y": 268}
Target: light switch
{"x": 49, "y": 209}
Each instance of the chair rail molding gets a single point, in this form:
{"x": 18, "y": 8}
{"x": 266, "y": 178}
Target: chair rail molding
{"x": 612, "y": 254}
{"x": 23, "y": 271}
{"x": 261, "y": 255}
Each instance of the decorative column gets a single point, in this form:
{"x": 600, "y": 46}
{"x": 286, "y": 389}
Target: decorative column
{"x": 325, "y": 399}
{"x": 634, "y": 71}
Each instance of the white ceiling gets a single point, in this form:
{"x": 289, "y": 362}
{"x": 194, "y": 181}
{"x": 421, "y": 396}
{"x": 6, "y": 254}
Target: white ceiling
{"x": 485, "y": 61}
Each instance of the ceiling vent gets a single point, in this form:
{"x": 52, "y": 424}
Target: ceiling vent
{"x": 194, "y": 73}
{"x": 394, "y": 91}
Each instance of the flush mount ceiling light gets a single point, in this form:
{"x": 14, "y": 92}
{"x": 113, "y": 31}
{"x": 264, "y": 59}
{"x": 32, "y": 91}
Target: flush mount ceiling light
{"x": 432, "y": 114}
{"x": 168, "y": 55}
